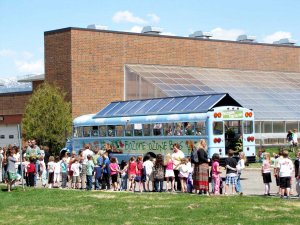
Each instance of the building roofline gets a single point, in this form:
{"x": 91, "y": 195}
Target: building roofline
{"x": 67, "y": 29}
{"x": 16, "y": 93}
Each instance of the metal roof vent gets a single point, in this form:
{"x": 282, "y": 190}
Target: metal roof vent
{"x": 201, "y": 34}
{"x": 97, "y": 27}
{"x": 285, "y": 41}
{"x": 151, "y": 30}
{"x": 246, "y": 38}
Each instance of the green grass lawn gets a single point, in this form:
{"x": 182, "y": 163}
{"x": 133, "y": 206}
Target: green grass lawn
{"x": 44, "y": 206}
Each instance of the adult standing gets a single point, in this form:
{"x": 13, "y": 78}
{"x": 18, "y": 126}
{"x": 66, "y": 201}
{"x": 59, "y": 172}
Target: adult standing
{"x": 1, "y": 160}
{"x": 11, "y": 169}
{"x": 177, "y": 156}
{"x": 34, "y": 151}
{"x": 85, "y": 154}
{"x": 201, "y": 169}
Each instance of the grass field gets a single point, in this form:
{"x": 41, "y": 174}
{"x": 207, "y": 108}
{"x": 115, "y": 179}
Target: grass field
{"x": 44, "y": 206}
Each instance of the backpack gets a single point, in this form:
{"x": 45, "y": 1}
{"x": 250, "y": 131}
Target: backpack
{"x": 194, "y": 156}
{"x": 159, "y": 173}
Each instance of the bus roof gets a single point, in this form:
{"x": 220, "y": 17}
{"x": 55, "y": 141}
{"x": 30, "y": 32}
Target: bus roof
{"x": 167, "y": 105}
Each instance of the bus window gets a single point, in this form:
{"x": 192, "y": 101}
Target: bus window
{"x": 75, "y": 132}
{"x": 128, "y": 130}
{"x": 189, "y": 128}
{"x": 200, "y": 128}
{"x": 168, "y": 129}
{"x": 218, "y": 127}
{"x": 102, "y": 131}
{"x": 138, "y": 130}
{"x": 87, "y": 131}
{"x": 111, "y": 131}
{"x": 79, "y": 131}
{"x": 147, "y": 129}
{"x": 95, "y": 132}
{"x": 157, "y": 129}
{"x": 119, "y": 131}
{"x": 248, "y": 127}
{"x": 178, "y": 130}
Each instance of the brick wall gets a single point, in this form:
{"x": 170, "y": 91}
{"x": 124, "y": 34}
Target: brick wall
{"x": 89, "y": 64}
{"x": 13, "y": 103}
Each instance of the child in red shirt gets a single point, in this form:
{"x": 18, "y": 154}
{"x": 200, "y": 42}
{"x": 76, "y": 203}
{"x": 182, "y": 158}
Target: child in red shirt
{"x": 31, "y": 172}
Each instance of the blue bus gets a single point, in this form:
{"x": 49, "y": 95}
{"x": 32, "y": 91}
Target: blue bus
{"x": 137, "y": 127}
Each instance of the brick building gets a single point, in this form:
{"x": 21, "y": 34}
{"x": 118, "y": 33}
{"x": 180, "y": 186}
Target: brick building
{"x": 96, "y": 67}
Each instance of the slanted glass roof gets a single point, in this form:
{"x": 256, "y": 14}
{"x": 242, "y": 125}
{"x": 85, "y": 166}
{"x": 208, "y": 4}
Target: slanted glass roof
{"x": 272, "y": 95}
{"x": 168, "y": 105}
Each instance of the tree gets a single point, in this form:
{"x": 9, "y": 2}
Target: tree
{"x": 48, "y": 117}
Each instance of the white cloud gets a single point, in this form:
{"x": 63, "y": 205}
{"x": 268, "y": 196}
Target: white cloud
{"x": 7, "y": 53}
{"x": 35, "y": 67}
{"x": 154, "y": 18}
{"x": 223, "y": 34}
{"x": 277, "y": 36}
{"x": 136, "y": 29}
{"x": 126, "y": 16}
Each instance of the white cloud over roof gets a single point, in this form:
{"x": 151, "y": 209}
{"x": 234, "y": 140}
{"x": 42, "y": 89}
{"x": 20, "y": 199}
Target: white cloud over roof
{"x": 127, "y": 16}
{"x": 226, "y": 34}
{"x": 276, "y": 36}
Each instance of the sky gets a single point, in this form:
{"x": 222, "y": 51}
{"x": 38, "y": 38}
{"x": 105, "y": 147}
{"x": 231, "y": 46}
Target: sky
{"x": 23, "y": 22}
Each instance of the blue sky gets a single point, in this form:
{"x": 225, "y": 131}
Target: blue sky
{"x": 23, "y": 22}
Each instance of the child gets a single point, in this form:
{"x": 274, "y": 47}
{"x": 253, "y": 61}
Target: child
{"x": 89, "y": 172}
{"x": 75, "y": 168}
{"x": 189, "y": 182}
{"x": 31, "y": 171}
{"x": 43, "y": 172}
{"x": 148, "y": 170}
{"x": 276, "y": 169}
{"x": 266, "y": 173}
{"x": 215, "y": 170}
{"x": 98, "y": 170}
{"x": 231, "y": 164}
{"x": 56, "y": 171}
{"x": 183, "y": 174}
{"x": 285, "y": 167}
{"x": 64, "y": 173}
{"x": 25, "y": 163}
{"x": 51, "y": 165}
{"x": 158, "y": 173}
{"x": 106, "y": 172}
{"x": 131, "y": 172}
{"x": 240, "y": 166}
{"x": 139, "y": 173}
{"x": 124, "y": 175}
{"x": 169, "y": 172}
{"x": 114, "y": 170}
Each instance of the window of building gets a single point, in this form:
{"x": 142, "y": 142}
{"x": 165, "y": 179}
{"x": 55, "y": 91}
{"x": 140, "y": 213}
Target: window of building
{"x": 278, "y": 127}
{"x": 2, "y": 136}
{"x": 11, "y": 136}
{"x": 267, "y": 127}
{"x": 291, "y": 125}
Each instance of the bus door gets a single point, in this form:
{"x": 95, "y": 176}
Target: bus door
{"x": 233, "y": 135}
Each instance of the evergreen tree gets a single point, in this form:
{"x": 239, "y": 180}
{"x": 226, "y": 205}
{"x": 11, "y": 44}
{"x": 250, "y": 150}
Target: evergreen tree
{"x": 48, "y": 117}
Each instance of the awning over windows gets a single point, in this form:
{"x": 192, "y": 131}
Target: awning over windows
{"x": 272, "y": 95}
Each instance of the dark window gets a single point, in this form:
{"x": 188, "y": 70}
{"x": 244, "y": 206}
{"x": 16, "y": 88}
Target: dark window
{"x": 2, "y": 136}
{"x": 11, "y": 136}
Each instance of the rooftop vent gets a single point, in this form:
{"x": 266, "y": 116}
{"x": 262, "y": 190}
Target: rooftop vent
{"x": 246, "y": 38}
{"x": 285, "y": 41}
{"x": 97, "y": 27}
{"x": 201, "y": 34}
{"x": 151, "y": 30}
